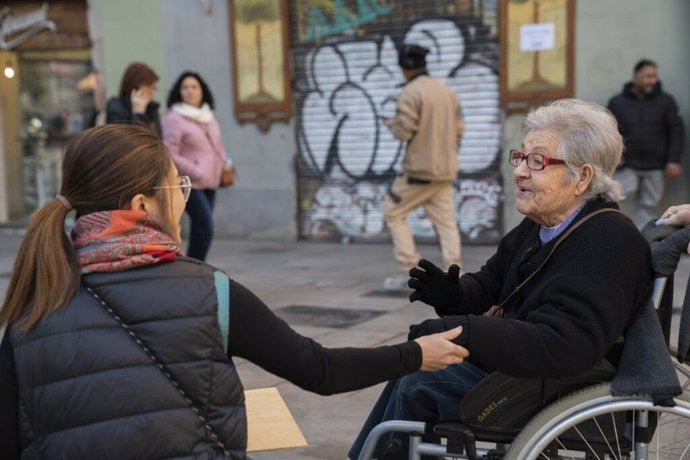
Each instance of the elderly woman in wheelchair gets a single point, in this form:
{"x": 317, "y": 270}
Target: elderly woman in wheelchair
{"x": 545, "y": 315}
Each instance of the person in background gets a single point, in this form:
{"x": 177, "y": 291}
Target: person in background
{"x": 428, "y": 118}
{"x": 192, "y": 135}
{"x": 521, "y": 318}
{"x": 134, "y": 104}
{"x": 118, "y": 347}
{"x": 653, "y": 134}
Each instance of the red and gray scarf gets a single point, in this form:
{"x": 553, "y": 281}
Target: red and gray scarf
{"x": 113, "y": 241}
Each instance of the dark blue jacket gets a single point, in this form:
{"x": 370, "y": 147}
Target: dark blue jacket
{"x": 651, "y": 127}
{"x": 88, "y": 390}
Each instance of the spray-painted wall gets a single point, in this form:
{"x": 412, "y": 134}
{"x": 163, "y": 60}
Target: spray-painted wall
{"x": 347, "y": 78}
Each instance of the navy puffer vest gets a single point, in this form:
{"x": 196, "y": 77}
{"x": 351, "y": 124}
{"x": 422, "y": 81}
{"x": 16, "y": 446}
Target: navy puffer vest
{"x": 88, "y": 390}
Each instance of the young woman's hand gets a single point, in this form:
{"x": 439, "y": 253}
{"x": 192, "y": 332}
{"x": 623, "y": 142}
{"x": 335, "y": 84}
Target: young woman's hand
{"x": 439, "y": 352}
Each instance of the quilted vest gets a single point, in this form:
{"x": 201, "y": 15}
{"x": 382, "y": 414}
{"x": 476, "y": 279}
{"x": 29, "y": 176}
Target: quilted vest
{"x": 87, "y": 389}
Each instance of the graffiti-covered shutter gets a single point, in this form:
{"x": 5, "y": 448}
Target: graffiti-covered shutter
{"x": 347, "y": 79}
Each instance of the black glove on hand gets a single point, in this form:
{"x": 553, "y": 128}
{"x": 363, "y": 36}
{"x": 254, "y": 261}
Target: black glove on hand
{"x": 435, "y": 287}
{"x": 433, "y": 326}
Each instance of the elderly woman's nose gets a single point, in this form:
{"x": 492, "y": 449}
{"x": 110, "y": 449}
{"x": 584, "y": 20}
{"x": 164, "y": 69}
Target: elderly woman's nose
{"x": 521, "y": 170}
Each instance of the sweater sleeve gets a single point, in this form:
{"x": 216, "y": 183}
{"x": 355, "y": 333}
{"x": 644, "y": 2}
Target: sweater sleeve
{"x": 9, "y": 403}
{"x": 481, "y": 290}
{"x": 258, "y": 335}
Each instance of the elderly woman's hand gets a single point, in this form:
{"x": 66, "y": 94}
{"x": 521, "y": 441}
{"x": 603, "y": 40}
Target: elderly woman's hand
{"x": 439, "y": 352}
{"x": 435, "y": 287}
{"x": 677, "y": 215}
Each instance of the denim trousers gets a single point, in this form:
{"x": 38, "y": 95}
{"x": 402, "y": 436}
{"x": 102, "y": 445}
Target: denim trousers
{"x": 200, "y": 211}
{"x": 430, "y": 397}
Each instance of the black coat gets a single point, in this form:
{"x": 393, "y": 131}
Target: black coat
{"x": 651, "y": 127}
{"x": 570, "y": 314}
{"x": 119, "y": 110}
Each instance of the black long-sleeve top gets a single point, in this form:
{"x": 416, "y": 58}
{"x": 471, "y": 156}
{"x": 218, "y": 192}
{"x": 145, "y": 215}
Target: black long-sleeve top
{"x": 291, "y": 356}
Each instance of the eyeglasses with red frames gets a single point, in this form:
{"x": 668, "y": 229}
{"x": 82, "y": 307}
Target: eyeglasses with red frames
{"x": 535, "y": 161}
{"x": 185, "y": 186}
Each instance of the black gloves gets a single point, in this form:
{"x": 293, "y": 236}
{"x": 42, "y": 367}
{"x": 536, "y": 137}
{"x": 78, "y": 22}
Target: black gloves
{"x": 432, "y": 326}
{"x": 435, "y": 287}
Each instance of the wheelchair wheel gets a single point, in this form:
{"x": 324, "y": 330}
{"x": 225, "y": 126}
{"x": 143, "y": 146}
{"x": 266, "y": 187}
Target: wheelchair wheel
{"x": 592, "y": 424}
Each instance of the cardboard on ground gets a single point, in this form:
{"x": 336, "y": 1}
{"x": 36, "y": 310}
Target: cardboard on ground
{"x": 270, "y": 425}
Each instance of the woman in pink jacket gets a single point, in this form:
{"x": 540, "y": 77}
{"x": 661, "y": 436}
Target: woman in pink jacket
{"x": 192, "y": 134}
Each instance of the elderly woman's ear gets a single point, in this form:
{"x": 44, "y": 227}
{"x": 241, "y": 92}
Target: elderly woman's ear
{"x": 586, "y": 175}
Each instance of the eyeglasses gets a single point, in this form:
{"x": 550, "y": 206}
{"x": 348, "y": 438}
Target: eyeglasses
{"x": 535, "y": 161}
{"x": 185, "y": 186}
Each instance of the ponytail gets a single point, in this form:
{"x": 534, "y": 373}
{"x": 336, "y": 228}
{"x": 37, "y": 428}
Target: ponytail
{"x": 46, "y": 271}
{"x": 103, "y": 169}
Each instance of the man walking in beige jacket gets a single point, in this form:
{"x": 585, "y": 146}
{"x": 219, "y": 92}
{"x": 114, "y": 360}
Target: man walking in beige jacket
{"x": 428, "y": 118}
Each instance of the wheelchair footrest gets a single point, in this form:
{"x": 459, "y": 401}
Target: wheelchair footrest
{"x": 459, "y": 439}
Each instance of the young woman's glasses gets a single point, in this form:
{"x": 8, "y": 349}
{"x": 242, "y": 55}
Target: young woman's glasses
{"x": 185, "y": 186}
{"x": 535, "y": 161}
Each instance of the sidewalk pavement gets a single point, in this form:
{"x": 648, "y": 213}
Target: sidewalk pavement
{"x": 332, "y": 293}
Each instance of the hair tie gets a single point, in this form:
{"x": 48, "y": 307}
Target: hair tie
{"x": 64, "y": 201}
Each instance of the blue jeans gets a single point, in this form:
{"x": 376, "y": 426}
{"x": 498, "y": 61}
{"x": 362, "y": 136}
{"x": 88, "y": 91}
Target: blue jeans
{"x": 430, "y": 397}
{"x": 200, "y": 211}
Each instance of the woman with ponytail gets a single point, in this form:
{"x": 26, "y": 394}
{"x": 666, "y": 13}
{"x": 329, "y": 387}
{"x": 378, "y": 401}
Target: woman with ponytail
{"x": 119, "y": 347}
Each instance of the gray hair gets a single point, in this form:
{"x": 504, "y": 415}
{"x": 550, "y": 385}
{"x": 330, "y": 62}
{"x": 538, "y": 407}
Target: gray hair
{"x": 588, "y": 134}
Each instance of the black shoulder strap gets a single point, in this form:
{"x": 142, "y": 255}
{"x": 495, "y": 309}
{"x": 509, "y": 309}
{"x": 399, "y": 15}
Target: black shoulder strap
{"x": 565, "y": 234}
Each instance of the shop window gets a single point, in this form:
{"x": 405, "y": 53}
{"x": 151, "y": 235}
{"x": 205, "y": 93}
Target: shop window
{"x": 52, "y": 109}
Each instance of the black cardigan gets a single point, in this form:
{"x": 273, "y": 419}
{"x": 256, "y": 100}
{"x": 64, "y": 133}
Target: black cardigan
{"x": 570, "y": 314}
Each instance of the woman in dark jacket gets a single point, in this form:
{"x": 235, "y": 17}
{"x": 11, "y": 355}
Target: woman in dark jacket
{"x": 134, "y": 105}
{"x": 119, "y": 347}
{"x": 569, "y": 314}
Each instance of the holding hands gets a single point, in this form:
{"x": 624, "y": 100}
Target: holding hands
{"x": 438, "y": 352}
{"x": 435, "y": 287}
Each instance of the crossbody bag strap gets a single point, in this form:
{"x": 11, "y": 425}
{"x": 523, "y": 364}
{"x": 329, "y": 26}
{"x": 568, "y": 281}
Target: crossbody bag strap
{"x": 223, "y": 295}
{"x": 161, "y": 367}
{"x": 565, "y": 234}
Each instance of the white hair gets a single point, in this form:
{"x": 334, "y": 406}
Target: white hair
{"x": 588, "y": 134}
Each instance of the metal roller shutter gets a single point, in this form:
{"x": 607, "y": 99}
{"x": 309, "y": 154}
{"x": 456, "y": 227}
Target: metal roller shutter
{"x": 347, "y": 77}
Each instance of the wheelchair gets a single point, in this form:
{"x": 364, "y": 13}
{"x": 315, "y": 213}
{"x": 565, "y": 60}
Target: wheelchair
{"x": 584, "y": 417}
